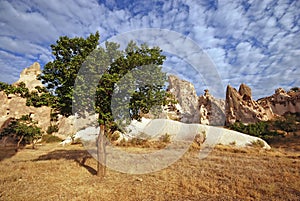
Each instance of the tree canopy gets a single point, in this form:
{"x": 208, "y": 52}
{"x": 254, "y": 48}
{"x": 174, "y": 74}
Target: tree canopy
{"x": 60, "y": 75}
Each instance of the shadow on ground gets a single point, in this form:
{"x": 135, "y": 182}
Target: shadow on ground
{"x": 79, "y": 156}
{"x": 8, "y": 151}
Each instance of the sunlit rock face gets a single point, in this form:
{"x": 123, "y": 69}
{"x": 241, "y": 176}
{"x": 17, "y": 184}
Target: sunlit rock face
{"x": 29, "y": 76}
{"x": 185, "y": 93}
{"x": 240, "y": 107}
{"x": 283, "y": 102}
{"x": 212, "y": 110}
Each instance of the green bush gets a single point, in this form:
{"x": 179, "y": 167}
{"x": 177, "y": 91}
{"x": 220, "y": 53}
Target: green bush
{"x": 52, "y": 129}
{"x": 50, "y": 139}
{"x": 24, "y": 129}
{"x": 261, "y": 129}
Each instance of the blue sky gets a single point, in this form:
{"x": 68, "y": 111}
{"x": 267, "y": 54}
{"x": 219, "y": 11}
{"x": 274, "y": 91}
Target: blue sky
{"x": 252, "y": 42}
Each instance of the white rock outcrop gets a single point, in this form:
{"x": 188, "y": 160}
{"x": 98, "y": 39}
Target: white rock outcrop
{"x": 185, "y": 93}
{"x": 29, "y": 76}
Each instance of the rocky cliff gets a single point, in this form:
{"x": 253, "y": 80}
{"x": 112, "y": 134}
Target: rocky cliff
{"x": 29, "y": 76}
{"x": 185, "y": 93}
{"x": 212, "y": 110}
{"x": 283, "y": 102}
{"x": 193, "y": 109}
{"x": 240, "y": 107}
{"x": 15, "y": 106}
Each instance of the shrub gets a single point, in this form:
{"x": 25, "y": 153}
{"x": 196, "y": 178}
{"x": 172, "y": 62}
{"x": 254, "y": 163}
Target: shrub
{"x": 52, "y": 129}
{"x": 50, "y": 139}
{"x": 166, "y": 138}
{"x": 258, "y": 143}
{"x": 24, "y": 129}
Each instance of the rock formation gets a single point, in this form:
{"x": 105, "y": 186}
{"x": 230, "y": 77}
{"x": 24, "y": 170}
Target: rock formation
{"x": 240, "y": 107}
{"x": 212, "y": 110}
{"x": 185, "y": 93}
{"x": 29, "y": 76}
{"x": 13, "y": 106}
{"x": 283, "y": 102}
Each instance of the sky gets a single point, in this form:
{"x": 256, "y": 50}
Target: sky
{"x": 256, "y": 42}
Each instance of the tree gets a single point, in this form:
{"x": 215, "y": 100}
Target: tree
{"x": 142, "y": 98}
{"x": 60, "y": 74}
{"x": 105, "y": 66}
{"x": 24, "y": 130}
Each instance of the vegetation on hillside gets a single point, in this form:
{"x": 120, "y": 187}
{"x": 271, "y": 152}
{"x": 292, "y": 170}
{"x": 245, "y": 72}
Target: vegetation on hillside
{"x": 39, "y": 97}
{"x": 269, "y": 129}
{"x": 23, "y": 130}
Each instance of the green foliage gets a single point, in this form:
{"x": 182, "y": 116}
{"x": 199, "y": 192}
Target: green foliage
{"x": 269, "y": 129}
{"x": 35, "y": 98}
{"x": 289, "y": 123}
{"x": 125, "y": 80}
{"x": 60, "y": 74}
{"x": 50, "y": 139}
{"x": 108, "y": 76}
{"x": 24, "y": 129}
{"x": 52, "y": 129}
{"x": 260, "y": 129}
{"x": 295, "y": 89}
{"x": 19, "y": 90}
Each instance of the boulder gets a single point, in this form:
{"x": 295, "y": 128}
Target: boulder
{"x": 209, "y": 135}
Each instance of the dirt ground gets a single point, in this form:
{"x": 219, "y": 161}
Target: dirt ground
{"x": 53, "y": 172}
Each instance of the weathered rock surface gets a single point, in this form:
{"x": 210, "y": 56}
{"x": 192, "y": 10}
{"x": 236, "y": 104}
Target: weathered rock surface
{"x": 187, "y": 132}
{"x": 212, "y": 110}
{"x": 282, "y": 102}
{"x": 185, "y": 93}
{"x": 29, "y": 76}
{"x": 178, "y": 131}
{"x": 240, "y": 107}
{"x": 15, "y": 106}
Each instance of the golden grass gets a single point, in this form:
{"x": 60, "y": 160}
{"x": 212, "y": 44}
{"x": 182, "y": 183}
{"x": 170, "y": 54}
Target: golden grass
{"x": 52, "y": 172}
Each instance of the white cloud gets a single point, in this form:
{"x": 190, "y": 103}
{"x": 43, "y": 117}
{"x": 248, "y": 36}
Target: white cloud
{"x": 256, "y": 44}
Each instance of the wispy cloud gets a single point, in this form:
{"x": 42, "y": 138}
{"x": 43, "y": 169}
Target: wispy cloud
{"x": 255, "y": 42}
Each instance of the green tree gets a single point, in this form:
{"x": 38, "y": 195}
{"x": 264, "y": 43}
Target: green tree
{"x": 24, "y": 129}
{"x": 60, "y": 74}
{"x": 105, "y": 66}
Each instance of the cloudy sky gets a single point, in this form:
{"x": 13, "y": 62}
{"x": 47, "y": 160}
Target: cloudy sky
{"x": 256, "y": 42}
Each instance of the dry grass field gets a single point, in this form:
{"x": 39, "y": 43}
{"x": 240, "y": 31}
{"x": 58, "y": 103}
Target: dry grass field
{"x": 53, "y": 172}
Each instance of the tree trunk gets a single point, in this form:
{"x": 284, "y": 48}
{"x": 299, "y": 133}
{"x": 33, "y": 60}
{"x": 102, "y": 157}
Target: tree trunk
{"x": 101, "y": 153}
{"x": 18, "y": 144}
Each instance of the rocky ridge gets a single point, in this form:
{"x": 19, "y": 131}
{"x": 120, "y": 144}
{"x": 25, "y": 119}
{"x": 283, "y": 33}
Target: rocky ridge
{"x": 240, "y": 107}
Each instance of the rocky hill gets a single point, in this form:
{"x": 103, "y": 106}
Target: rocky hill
{"x": 204, "y": 109}
{"x": 283, "y": 102}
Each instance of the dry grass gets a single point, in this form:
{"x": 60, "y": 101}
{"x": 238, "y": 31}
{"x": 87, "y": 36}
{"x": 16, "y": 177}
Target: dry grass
{"x": 53, "y": 172}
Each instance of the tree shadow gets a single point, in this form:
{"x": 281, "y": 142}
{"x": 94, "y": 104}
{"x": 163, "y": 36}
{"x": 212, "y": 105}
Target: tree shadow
{"x": 9, "y": 151}
{"x": 78, "y": 156}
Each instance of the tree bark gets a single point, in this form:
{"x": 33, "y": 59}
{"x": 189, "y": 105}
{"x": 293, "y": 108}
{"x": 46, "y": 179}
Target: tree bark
{"x": 18, "y": 144}
{"x": 101, "y": 153}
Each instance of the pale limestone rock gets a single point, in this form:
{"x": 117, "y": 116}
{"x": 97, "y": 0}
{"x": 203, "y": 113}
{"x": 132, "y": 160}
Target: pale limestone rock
{"x": 29, "y": 76}
{"x": 240, "y": 107}
{"x": 15, "y": 107}
{"x": 282, "y": 102}
{"x": 185, "y": 93}
{"x": 212, "y": 110}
